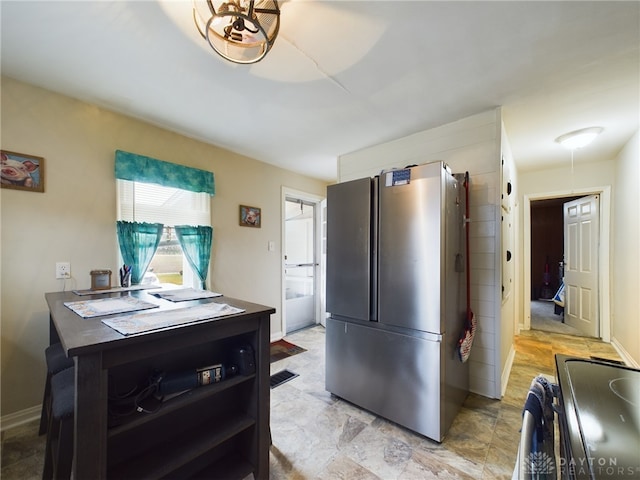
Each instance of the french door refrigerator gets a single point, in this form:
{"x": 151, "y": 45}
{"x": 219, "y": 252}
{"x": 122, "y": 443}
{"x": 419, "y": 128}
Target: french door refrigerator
{"x": 396, "y": 295}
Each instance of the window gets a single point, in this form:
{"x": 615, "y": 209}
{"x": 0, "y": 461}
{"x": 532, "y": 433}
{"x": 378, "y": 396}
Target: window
{"x": 146, "y": 202}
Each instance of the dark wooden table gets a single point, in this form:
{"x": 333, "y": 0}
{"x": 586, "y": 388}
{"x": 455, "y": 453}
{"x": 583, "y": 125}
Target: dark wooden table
{"x": 100, "y": 352}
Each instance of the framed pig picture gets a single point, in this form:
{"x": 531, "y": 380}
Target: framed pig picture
{"x": 250, "y": 216}
{"x": 21, "y": 171}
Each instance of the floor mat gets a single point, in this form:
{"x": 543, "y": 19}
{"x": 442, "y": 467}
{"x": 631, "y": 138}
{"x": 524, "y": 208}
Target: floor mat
{"x": 281, "y": 377}
{"x": 283, "y": 349}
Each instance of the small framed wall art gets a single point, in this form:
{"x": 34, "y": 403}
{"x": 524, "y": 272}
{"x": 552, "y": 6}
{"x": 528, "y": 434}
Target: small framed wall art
{"x": 21, "y": 171}
{"x": 250, "y": 216}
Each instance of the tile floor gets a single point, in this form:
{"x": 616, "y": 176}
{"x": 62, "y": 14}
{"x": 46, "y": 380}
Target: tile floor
{"x": 317, "y": 436}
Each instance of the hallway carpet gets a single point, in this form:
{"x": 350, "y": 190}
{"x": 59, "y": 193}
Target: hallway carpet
{"x": 543, "y": 318}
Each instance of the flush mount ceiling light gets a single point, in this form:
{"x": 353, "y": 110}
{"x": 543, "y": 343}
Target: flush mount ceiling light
{"x": 579, "y": 138}
{"x": 241, "y": 31}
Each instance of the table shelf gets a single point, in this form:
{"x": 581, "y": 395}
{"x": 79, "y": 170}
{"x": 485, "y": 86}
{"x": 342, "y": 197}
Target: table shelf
{"x": 181, "y": 450}
{"x": 222, "y": 427}
{"x": 181, "y": 401}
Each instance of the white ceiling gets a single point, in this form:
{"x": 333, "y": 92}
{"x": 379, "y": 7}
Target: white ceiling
{"x": 345, "y": 75}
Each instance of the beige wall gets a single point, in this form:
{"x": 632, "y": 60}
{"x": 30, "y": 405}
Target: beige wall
{"x": 471, "y": 144}
{"x": 625, "y": 317}
{"x": 74, "y": 219}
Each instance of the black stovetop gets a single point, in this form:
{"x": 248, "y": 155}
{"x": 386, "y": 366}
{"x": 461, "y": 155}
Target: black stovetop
{"x": 605, "y": 399}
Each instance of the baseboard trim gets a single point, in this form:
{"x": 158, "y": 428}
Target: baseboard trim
{"x": 628, "y": 359}
{"x": 506, "y": 372}
{"x": 16, "y": 419}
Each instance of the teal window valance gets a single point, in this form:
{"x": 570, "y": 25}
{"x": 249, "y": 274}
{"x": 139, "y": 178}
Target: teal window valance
{"x": 138, "y": 168}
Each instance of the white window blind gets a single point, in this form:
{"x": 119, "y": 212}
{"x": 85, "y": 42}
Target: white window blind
{"x": 145, "y": 202}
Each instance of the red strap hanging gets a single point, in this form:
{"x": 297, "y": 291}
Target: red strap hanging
{"x": 468, "y": 333}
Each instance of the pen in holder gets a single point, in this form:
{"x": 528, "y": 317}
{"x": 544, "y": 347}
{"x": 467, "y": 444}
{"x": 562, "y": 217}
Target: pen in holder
{"x": 125, "y": 276}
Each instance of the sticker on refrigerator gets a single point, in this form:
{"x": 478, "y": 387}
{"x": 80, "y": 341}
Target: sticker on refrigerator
{"x": 398, "y": 177}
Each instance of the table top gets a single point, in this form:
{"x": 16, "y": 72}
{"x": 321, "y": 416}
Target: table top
{"x": 89, "y": 335}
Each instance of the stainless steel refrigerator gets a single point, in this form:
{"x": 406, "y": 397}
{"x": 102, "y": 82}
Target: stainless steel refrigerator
{"x": 396, "y": 293}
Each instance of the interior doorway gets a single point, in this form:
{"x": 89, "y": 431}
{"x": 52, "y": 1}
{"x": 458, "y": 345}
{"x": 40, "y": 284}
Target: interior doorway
{"x": 535, "y": 274}
{"x": 547, "y": 265}
{"x": 301, "y": 263}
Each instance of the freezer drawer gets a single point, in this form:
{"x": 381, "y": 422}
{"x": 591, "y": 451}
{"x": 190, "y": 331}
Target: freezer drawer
{"x": 392, "y": 375}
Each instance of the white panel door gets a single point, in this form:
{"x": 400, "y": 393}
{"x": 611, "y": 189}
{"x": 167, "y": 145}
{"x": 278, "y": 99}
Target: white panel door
{"x": 581, "y": 242}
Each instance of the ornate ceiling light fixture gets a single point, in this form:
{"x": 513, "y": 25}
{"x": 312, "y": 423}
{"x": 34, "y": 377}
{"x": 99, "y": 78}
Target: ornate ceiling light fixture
{"x": 241, "y": 31}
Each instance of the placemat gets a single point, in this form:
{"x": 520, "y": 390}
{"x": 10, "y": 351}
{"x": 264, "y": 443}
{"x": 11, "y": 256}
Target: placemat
{"x": 184, "y": 294}
{"x": 145, "y": 322}
{"x": 108, "y": 306}
{"x": 132, "y": 288}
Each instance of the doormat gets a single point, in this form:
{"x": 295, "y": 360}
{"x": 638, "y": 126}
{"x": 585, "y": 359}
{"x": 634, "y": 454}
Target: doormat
{"x": 281, "y": 377}
{"x": 283, "y": 349}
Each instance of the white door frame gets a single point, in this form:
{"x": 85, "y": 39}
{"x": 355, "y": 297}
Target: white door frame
{"x": 604, "y": 253}
{"x": 315, "y": 199}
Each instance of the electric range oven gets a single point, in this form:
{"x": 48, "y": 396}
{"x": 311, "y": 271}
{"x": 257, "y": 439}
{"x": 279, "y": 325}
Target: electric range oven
{"x": 598, "y": 415}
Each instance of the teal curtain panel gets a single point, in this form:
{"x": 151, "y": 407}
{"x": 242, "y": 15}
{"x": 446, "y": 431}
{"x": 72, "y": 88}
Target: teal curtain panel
{"x": 196, "y": 245}
{"x": 138, "y": 243}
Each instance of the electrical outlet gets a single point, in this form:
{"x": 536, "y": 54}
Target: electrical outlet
{"x": 63, "y": 270}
